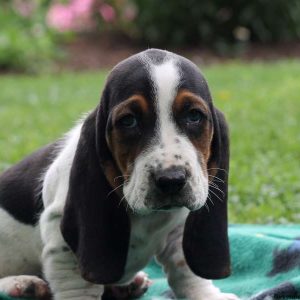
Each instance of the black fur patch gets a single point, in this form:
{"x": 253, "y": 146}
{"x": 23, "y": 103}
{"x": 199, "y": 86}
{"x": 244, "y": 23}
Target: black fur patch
{"x": 21, "y": 186}
{"x": 284, "y": 260}
{"x": 282, "y": 291}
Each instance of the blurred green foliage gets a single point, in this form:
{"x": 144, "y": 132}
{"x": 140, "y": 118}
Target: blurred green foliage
{"x": 26, "y": 43}
{"x": 217, "y": 23}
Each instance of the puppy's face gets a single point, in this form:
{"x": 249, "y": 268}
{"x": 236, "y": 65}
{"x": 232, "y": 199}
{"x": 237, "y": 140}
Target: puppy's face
{"x": 160, "y": 132}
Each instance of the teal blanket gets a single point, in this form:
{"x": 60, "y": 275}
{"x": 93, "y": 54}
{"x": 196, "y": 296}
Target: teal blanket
{"x": 265, "y": 265}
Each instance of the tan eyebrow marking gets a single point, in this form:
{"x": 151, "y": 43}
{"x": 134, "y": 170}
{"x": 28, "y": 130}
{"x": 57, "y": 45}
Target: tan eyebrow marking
{"x": 184, "y": 95}
{"x": 124, "y": 107}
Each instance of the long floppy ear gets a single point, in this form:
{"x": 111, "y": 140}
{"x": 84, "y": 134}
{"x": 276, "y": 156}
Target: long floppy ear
{"x": 205, "y": 240}
{"x": 94, "y": 225}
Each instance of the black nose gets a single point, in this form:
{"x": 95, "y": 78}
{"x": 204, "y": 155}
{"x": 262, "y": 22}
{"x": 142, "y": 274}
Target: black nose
{"x": 170, "y": 180}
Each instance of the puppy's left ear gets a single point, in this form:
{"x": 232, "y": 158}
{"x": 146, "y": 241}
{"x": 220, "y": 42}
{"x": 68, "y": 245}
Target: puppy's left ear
{"x": 205, "y": 239}
{"x": 94, "y": 225}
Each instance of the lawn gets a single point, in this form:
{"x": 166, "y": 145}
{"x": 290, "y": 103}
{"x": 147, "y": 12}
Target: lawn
{"x": 261, "y": 102}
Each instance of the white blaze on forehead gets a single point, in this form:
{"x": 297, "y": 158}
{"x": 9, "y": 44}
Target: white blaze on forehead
{"x": 165, "y": 78}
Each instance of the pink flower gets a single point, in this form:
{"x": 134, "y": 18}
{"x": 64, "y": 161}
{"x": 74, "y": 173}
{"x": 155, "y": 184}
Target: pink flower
{"x": 75, "y": 15}
{"x": 81, "y": 7}
{"x": 60, "y": 17}
{"x": 107, "y": 12}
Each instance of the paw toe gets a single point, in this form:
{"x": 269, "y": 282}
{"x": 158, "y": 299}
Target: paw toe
{"x": 27, "y": 287}
{"x": 140, "y": 284}
{"x": 134, "y": 289}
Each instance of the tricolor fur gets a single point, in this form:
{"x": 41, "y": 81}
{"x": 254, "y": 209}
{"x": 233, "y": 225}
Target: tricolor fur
{"x": 129, "y": 182}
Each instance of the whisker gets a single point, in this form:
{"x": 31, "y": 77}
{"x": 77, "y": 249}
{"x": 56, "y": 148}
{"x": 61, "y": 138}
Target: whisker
{"x": 114, "y": 189}
{"x": 216, "y": 195}
{"x": 122, "y": 176}
{"x": 217, "y": 178}
{"x": 123, "y": 198}
{"x": 127, "y": 205}
{"x": 212, "y": 183}
{"x": 206, "y": 206}
{"x": 217, "y": 169}
{"x": 210, "y": 200}
{"x": 216, "y": 187}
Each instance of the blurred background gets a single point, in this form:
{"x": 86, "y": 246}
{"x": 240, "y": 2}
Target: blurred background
{"x": 89, "y": 34}
{"x": 55, "y": 56}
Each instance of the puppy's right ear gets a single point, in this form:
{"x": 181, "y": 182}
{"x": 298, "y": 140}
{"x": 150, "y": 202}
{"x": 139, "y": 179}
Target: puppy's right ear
{"x": 205, "y": 239}
{"x": 94, "y": 225}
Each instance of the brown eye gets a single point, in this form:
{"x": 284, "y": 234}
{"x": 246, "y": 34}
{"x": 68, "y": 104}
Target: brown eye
{"x": 128, "y": 121}
{"x": 194, "y": 116}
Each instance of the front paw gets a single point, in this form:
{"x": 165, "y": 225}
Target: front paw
{"x": 25, "y": 287}
{"x": 134, "y": 289}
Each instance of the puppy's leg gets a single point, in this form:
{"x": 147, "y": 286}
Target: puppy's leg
{"x": 25, "y": 287}
{"x": 20, "y": 249}
{"x": 59, "y": 263}
{"x": 184, "y": 283}
{"x": 135, "y": 289}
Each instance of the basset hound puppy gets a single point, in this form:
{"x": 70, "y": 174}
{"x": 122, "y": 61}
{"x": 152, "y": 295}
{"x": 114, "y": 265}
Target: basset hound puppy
{"x": 143, "y": 175}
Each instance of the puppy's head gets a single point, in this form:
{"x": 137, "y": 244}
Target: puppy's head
{"x": 159, "y": 132}
{"x": 154, "y": 143}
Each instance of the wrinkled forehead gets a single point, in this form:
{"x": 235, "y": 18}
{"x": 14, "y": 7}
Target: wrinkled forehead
{"x": 155, "y": 74}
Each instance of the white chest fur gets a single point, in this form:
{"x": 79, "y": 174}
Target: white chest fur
{"x": 148, "y": 237}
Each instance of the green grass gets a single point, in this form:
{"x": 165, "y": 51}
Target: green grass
{"x": 261, "y": 102}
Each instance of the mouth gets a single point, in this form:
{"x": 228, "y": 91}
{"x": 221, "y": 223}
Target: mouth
{"x": 169, "y": 207}
{"x": 158, "y": 201}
